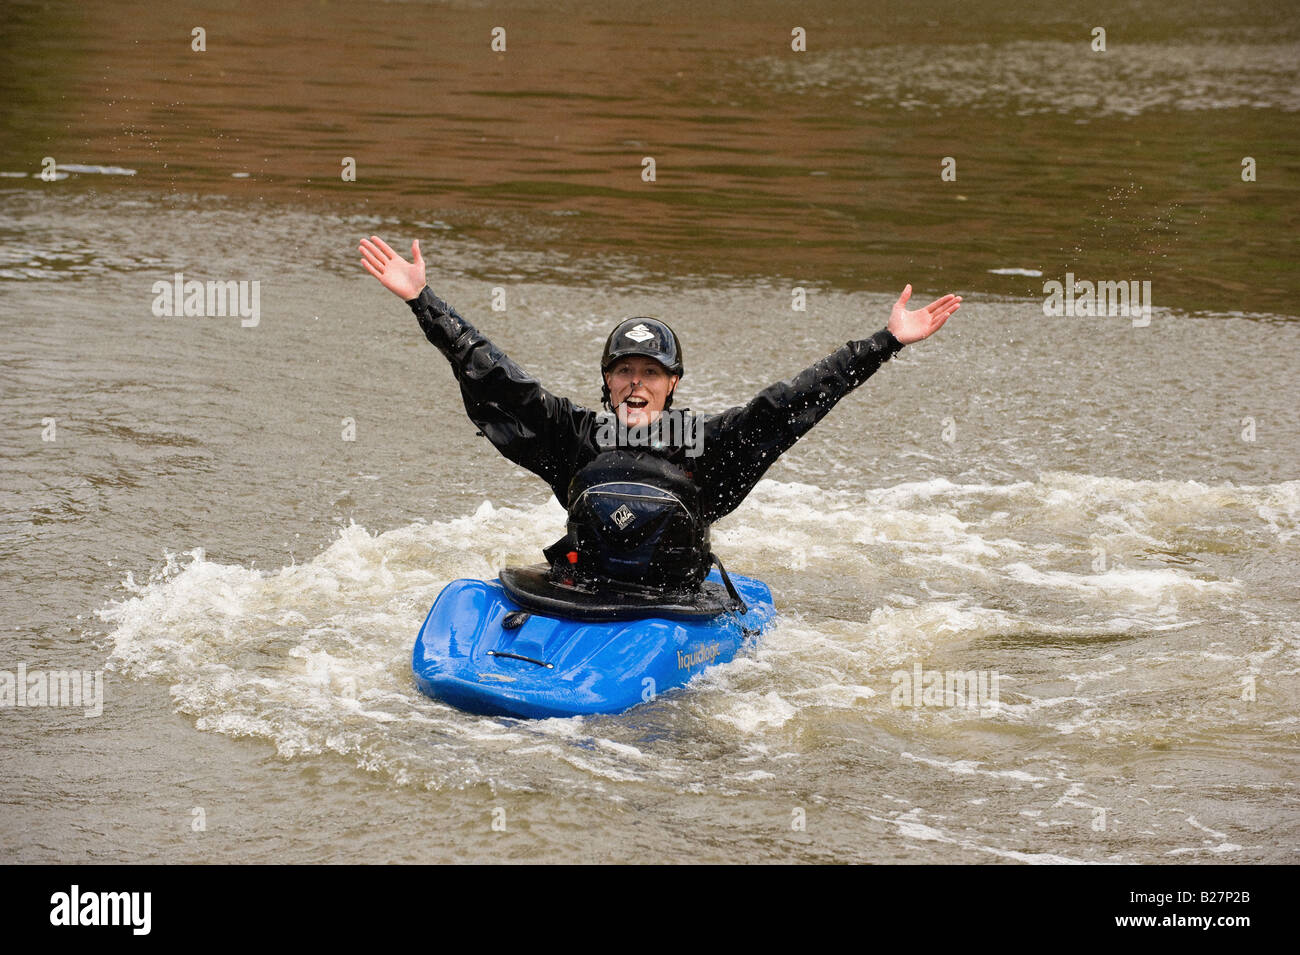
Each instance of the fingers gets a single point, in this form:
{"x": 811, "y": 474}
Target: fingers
{"x": 371, "y": 269}
{"x": 368, "y": 245}
{"x": 944, "y": 306}
{"x": 416, "y": 257}
{"x": 371, "y": 258}
{"x": 383, "y": 246}
{"x": 923, "y": 322}
{"x": 937, "y": 320}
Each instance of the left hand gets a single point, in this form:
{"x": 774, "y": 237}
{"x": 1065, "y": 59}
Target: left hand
{"x": 404, "y": 279}
{"x": 910, "y": 327}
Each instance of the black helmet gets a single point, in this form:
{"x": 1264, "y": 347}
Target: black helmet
{"x": 644, "y": 336}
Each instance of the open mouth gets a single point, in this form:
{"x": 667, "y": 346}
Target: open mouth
{"x": 636, "y": 403}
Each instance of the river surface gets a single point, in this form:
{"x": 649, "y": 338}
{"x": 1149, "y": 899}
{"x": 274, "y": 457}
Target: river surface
{"x": 243, "y": 520}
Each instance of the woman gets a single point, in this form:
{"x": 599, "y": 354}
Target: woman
{"x": 640, "y": 496}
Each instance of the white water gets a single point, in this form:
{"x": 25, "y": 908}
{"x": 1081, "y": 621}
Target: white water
{"x": 313, "y": 658}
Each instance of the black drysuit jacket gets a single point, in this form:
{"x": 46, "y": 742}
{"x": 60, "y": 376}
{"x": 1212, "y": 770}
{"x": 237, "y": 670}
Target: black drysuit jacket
{"x": 555, "y": 439}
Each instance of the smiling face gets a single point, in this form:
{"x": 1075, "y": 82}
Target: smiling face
{"x": 638, "y": 389}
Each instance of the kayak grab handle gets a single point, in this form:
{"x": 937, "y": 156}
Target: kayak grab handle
{"x": 737, "y": 604}
{"x": 517, "y": 656}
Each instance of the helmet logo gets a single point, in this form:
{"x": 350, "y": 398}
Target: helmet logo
{"x": 639, "y": 334}
{"x": 622, "y": 517}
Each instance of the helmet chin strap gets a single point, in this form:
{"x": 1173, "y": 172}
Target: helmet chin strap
{"x": 606, "y": 398}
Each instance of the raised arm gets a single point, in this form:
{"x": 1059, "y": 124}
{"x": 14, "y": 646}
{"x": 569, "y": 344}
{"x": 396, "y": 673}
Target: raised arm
{"x": 524, "y": 421}
{"x": 741, "y": 444}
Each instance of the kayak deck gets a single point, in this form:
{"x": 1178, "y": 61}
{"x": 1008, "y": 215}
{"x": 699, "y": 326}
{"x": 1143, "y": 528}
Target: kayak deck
{"x": 473, "y": 654}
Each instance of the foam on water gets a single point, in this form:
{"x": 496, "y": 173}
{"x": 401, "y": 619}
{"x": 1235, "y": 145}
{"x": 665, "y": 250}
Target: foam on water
{"x": 95, "y": 170}
{"x": 1044, "y": 76}
{"x": 314, "y": 657}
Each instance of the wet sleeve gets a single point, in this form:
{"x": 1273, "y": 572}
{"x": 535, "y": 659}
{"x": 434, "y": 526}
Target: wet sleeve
{"x": 741, "y": 444}
{"x": 524, "y": 421}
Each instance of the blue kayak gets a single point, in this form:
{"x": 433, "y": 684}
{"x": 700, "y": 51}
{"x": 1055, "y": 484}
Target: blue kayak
{"x": 487, "y": 648}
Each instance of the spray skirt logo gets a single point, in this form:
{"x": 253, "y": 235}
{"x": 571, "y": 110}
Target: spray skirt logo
{"x": 622, "y": 517}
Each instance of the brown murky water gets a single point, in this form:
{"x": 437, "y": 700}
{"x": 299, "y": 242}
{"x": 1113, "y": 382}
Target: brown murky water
{"x": 823, "y": 167}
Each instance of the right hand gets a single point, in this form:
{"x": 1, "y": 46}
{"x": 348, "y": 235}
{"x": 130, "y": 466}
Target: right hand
{"x": 920, "y": 324}
{"x": 404, "y": 279}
